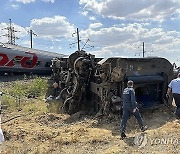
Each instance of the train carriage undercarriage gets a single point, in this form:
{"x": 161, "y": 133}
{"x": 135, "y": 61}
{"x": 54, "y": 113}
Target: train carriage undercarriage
{"x": 96, "y": 85}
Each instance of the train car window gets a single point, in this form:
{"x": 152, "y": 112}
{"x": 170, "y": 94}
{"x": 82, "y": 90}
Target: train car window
{"x": 28, "y": 62}
{"x": 39, "y": 63}
{"x": 17, "y": 60}
{"x": 48, "y": 64}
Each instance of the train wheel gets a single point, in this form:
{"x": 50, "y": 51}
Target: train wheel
{"x": 63, "y": 94}
{"x": 70, "y": 106}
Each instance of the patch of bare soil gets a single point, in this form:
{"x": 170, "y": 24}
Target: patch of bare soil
{"x": 81, "y": 134}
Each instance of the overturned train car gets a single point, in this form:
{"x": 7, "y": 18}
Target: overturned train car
{"x": 92, "y": 84}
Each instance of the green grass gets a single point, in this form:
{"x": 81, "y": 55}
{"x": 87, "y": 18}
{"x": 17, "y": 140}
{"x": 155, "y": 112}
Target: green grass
{"x": 8, "y": 100}
{"x": 38, "y": 87}
{"x": 38, "y": 108}
{"x": 34, "y": 88}
{"x": 25, "y": 94}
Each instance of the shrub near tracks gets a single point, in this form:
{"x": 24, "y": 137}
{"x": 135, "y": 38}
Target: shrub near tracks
{"x": 17, "y": 92}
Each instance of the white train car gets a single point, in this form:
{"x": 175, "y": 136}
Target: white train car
{"x": 17, "y": 59}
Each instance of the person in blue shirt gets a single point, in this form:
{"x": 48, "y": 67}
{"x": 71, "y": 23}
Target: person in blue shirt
{"x": 130, "y": 107}
{"x": 174, "y": 87}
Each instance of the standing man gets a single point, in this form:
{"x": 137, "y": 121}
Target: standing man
{"x": 130, "y": 107}
{"x": 1, "y": 133}
{"x": 174, "y": 87}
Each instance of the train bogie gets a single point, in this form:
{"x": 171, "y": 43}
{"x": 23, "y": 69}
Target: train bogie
{"x": 97, "y": 85}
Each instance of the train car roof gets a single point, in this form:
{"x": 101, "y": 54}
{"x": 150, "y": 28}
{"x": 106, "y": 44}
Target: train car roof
{"x": 20, "y": 48}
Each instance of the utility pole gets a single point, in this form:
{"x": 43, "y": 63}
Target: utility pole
{"x": 31, "y": 36}
{"x": 11, "y": 33}
{"x": 143, "y": 50}
{"x": 78, "y": 40}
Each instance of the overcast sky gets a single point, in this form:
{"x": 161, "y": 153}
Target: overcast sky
{"x": 107, "y": 27}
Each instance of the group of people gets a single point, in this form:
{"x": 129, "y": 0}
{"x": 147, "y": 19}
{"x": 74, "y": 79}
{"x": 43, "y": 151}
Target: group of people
{"x": 130, "y": 104}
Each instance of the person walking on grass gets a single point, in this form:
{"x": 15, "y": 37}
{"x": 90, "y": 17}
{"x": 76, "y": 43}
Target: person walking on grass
{"x": 130, "y": 107}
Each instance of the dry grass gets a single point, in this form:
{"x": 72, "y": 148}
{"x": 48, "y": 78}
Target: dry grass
{"x": 59, "y": 133}
{"x": 42, "y": 132}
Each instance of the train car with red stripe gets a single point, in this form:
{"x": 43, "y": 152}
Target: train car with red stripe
{"x": 17, "y": 59}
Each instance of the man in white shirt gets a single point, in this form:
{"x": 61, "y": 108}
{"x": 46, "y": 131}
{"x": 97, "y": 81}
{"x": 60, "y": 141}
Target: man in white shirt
{"x": 174, "y": 87}
{"x": 1, "y": 133}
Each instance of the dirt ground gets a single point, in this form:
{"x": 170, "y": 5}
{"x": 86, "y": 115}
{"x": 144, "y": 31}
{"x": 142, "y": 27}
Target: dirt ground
{"x": 81, "y": 134}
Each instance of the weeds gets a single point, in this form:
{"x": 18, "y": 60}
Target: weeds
{"x": 8, "y": 100}
{"x": 37, "y": 88}
{"x": 20, "y": 93}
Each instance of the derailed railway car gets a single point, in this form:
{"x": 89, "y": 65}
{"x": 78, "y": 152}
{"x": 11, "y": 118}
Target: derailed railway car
{"x": 94, "y": 84}
{"x": 150, "y": 75}
{"x": 17, "y": 59}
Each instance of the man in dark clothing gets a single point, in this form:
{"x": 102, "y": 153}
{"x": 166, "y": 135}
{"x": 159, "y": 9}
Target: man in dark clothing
{"x": 130, "y": 107}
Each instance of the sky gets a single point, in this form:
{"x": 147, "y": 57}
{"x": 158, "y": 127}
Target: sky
{"x": 107, "y": 28}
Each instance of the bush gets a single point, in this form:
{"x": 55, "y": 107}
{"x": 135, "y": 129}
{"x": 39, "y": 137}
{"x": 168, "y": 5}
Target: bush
{"x": 37, "y": 88}
{"x": 9, "y": 101}
{"x": 19, "y": 89}
{"x": 18, "y": 93}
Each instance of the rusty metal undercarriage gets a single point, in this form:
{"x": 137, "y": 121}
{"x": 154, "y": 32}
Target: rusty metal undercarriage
{"x": 96, "y": 85}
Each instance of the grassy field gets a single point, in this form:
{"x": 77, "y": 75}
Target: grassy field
{"x": 39, "y": 131}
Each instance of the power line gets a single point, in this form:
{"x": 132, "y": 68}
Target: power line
{"x": 79, "y": 41}
{"x": 87, "y": 45}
